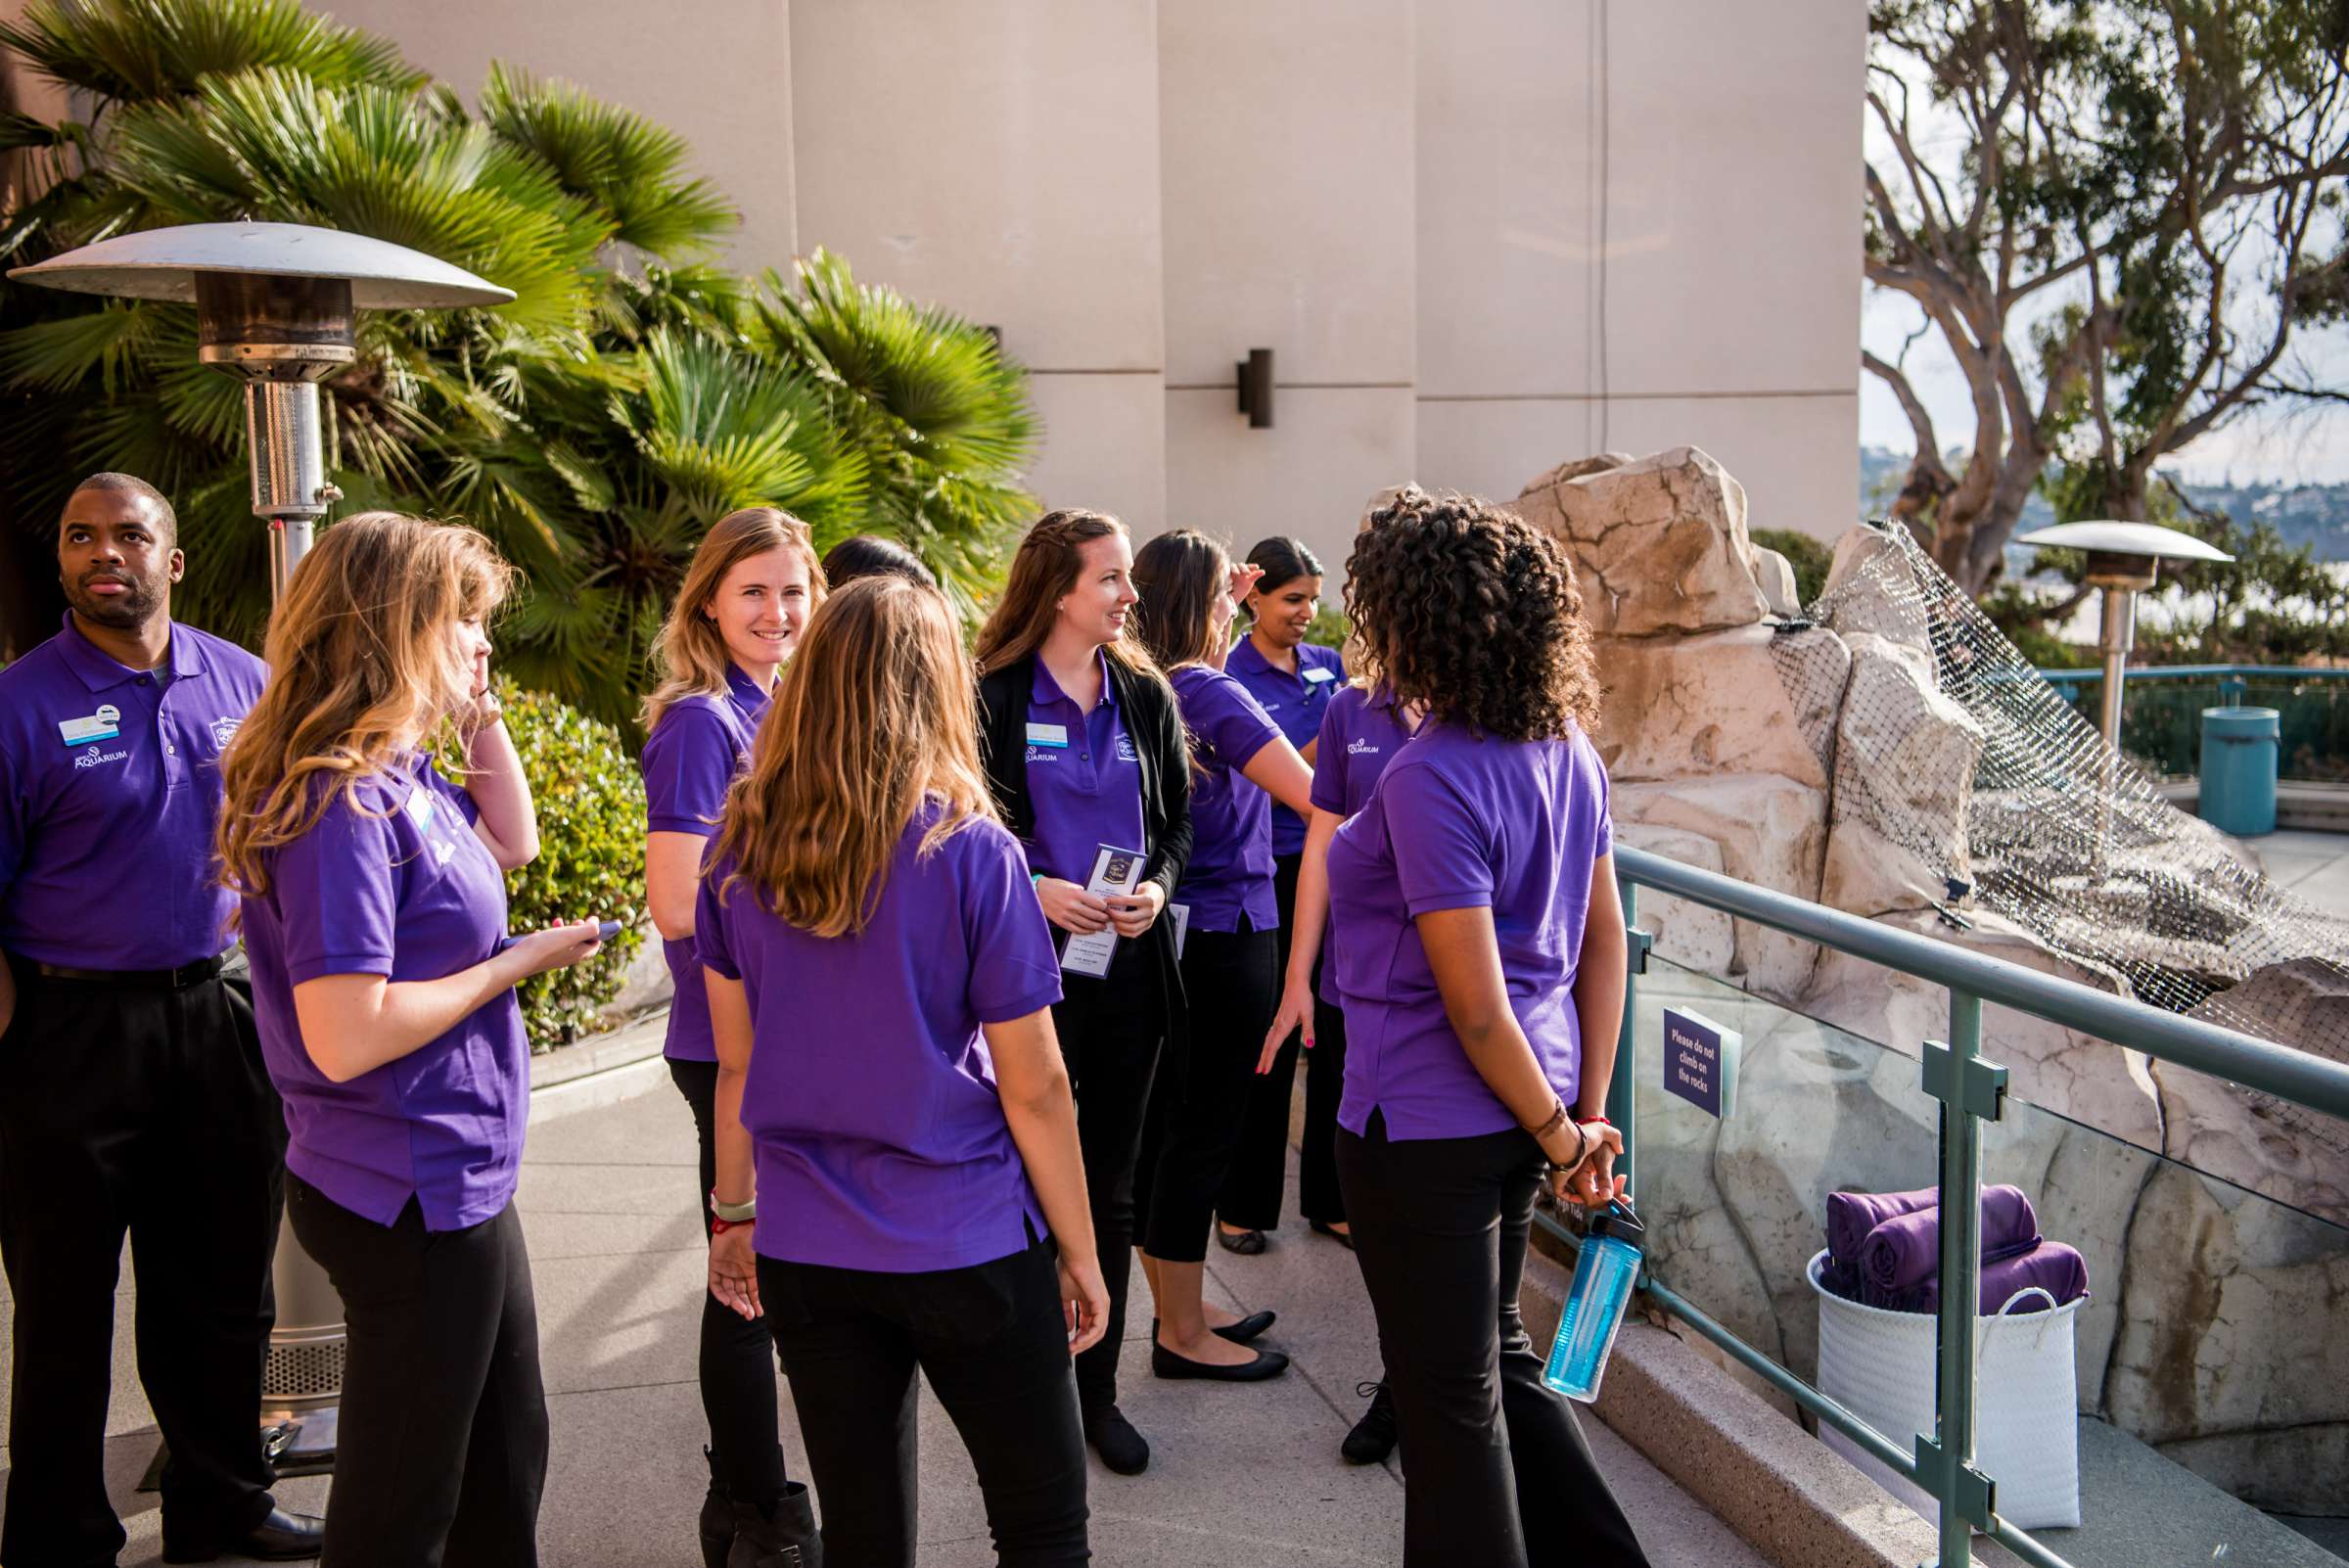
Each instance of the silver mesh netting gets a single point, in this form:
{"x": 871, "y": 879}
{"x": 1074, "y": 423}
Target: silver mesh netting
{"x": 2060, "y": 836}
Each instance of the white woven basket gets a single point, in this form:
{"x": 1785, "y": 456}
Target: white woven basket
{"x": 1879, "y": 1365}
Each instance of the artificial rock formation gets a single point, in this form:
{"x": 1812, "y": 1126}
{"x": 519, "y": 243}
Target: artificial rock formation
{"x": 1824, "y": 761}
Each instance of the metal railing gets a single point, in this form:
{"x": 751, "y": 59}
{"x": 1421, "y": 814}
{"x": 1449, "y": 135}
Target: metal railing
{"x": 2161, "y": 719}
{"x": 1972, "y": 1090}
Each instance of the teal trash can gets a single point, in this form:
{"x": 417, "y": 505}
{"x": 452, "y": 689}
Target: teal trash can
{"x": 2238, "y": 769}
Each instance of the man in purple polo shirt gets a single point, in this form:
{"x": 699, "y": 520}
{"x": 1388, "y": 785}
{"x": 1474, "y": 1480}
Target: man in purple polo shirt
{"x": 132, "y": 1094}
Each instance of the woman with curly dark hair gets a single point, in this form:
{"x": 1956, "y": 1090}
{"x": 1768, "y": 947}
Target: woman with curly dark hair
{"x": 1481, "y": 964}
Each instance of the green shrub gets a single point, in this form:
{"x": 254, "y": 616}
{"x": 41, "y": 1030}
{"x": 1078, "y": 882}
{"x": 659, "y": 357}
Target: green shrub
{"x": 590, "y": 863}
{"x": 1809, "y": 557}
{"x": 1330, "y": 627}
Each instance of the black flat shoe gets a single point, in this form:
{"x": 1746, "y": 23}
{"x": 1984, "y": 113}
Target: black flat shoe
{"x": 1373, "y": 1436}
{"x": 1248, "y": 1327}
{"x": 1247, "y": 1243}
{"x": 1164, "y": 1362}
{"x": 281, "y": 1537}
{"x": 1123, "y": 1450}
{"x": 1343, "y": 1238}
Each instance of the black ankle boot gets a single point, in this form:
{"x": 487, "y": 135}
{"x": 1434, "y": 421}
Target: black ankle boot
{"x": 782, "y": 1537}
{"x": 717, "y": 1518}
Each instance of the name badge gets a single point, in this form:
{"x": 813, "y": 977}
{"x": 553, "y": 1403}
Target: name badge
{"x": 1054, "y": 735}
{"x": 1320, "y": 673}
{"x": 420, "y": 807}
{"x": 104, "y": 724}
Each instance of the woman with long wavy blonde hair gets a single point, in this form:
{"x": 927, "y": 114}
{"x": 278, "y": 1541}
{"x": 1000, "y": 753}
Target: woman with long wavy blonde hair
{"x": 1084, "y": 750}
{"x": 738, "y": 615}
{"x": 880, "y": 981}
{"x": 373, "y": 802}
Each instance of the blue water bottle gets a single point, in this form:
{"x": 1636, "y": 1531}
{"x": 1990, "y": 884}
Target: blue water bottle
{"x": 1603, "y": 1276}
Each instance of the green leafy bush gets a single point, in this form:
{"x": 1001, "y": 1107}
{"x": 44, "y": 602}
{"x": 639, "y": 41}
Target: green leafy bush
{"x": 590, "y": 863}
{"x": 1330, "y": 627}
{"x": 1809, "y": 557}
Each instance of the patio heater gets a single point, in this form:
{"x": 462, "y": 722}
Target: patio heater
{"x": 275, "y": 305}
{"x": 2122, "y": 559}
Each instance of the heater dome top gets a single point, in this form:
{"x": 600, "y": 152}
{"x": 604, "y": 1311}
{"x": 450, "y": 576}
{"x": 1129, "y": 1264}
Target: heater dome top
{"x": 162, "y": 263}
{"x": 2124, "y": 538}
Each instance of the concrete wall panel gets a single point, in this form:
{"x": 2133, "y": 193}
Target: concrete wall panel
{"x": 1104, "y": 446}
{"x": 1307, "y": 475}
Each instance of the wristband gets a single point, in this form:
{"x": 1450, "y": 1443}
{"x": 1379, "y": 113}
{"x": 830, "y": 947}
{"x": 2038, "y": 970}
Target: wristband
{"x": 1556, "y": 1119}
{"x": 1035, "y": 879}
{"x": 735, "y": 1214}
{"x": 718, "y": 1227}
{"x": 1593, "y": 1121}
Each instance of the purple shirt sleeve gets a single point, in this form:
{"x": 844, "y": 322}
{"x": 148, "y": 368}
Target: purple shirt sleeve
{"x": 1329, "y": 758}
{"x": 1014, "y": 971}
{"x": 710, "y": 936}
{"x": 1606, "y": 791}
{"x": 336, "y": 894}
{"x": 1226, "y": 716}
{"x": 689, "y": 763}
{"x": 1442, "y": 860}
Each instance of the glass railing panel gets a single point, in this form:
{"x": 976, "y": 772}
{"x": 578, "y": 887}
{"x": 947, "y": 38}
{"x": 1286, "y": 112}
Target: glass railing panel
{"x": 2209, "y": 1363}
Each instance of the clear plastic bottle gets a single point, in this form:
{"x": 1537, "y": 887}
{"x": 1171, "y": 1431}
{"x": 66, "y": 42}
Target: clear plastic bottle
{"x": 1603, "y": 1276}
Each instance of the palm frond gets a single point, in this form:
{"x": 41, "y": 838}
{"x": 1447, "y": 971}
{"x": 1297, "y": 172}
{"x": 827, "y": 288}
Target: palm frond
{"x": 615, "y": 158}
{"x": 133, "y": 51}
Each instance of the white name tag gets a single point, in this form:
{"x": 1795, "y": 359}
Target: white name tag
{"x": 1320, "y": 673}
{"x": 104, "y": 724}
{"x": 420, "y": 807}
{"x": 1048, "y": 735}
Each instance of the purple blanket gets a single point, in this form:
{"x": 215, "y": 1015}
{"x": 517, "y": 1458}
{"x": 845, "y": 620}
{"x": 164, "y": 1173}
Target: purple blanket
{"x": 1851, "y": 1215}
{"x": 2053, "y": 1266}
{"x": 1905, "y": 1250}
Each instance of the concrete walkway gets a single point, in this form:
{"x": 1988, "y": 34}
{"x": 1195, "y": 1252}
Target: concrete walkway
{"x": 2314, "y": 865}
{"x": 1241, "y": 1475}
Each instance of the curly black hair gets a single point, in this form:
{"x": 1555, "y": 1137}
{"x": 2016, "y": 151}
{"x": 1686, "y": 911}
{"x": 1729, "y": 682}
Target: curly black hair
{"x": 1475, "y": 613}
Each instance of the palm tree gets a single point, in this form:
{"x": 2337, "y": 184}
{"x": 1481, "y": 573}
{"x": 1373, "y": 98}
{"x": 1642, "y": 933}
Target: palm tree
{"x": 632, "y": 393}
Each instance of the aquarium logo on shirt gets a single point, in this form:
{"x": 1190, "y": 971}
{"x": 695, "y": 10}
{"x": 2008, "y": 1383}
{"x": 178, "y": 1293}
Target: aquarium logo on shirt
{"x": 94, "y": 758}
{"x": 1126, "y": 752}
{"x": 1361, "y": 748}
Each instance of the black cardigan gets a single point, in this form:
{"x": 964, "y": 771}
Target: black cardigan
{"x": 1146, "y": 708}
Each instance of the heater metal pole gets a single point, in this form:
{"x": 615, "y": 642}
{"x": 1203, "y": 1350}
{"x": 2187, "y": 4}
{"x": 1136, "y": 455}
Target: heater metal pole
{"x": 2119, "y": 635}
{"x": 290, "y": 489}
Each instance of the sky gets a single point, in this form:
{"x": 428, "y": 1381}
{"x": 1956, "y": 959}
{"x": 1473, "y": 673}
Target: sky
{"x": 2293, "y": 446}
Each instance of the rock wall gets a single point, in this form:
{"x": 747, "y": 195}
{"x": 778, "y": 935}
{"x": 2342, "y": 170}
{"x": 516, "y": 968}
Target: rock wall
{"x": 1825, "y": 761}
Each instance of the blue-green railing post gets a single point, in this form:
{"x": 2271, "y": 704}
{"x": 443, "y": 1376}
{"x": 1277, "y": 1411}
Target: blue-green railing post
{"x": 1622, "y": 1100}
{"x": 1971, "y": 1091}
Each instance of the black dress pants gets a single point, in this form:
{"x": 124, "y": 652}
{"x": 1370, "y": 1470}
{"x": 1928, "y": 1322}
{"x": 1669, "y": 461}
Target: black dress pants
{"x": 994, "y": 1346}
{"x": 442, "y": 1453}
{"x": 1110, "y": 1033}
{"x": 737, "y": 1354}
{"x": 146, "y": 1109}
{"x": 1496, "y": 1470}
{"x": 1251, "y": 1188}
{"x": 1194, "y": 1119}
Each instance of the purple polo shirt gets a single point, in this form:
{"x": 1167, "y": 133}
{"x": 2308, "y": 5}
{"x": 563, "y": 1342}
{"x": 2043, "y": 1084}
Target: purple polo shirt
{"x": 392, "y": 880}
{"x": 1296, "y": 703}
{"x": 1230, "y": 872}
{"x": 1459, "y": 822}
{"x": 1361, "y": 733}
{"x": 696, "y": 748}
{"x": 871, "y": 1098}
{"x": 1083, "y": 779}
{"x": 110, "y": 792}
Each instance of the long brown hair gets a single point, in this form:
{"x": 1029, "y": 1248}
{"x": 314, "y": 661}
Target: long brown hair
{"x": 1042, "y": 571}
{"x": 1178, "y": 575}
{"x": 872, "y": 717}
{"x": 691, "y": 650}
{"x": 363, "y": 671}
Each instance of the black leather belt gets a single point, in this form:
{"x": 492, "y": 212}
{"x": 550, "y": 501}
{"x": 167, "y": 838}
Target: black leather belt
{"x": 186, "y": 975}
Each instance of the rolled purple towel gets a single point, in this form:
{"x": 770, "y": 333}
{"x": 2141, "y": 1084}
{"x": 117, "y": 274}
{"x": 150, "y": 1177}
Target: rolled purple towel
{"x": 2053, "y": 1266}
{"x": 1839, "y": 1278}
{"x": 1851, "y": 1215}
{"x": 1905, "y": 1249}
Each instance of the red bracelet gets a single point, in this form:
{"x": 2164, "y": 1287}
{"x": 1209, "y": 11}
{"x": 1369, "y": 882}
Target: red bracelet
{"x": 1594, "y": 1121}
{"x": 718, "y": 1227}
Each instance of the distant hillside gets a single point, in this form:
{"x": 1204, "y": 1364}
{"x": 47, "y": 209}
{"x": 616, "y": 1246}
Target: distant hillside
{"x": 2314, "y": 515}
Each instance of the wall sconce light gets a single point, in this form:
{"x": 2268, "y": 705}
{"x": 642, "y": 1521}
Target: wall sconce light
{"x": 1256, "y": 388}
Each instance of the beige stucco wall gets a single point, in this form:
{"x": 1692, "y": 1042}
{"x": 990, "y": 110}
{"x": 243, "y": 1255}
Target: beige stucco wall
{"x": 1481, "y": 235}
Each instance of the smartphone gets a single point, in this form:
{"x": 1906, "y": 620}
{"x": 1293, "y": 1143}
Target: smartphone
{"x": 604, "y": 932}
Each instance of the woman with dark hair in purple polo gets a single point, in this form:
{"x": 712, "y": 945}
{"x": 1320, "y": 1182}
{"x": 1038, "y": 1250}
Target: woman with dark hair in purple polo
{"x": 1481, "y": 960}
{"x": 1295, "y": 681}
{"x": 881, "y": 982}
{"x": 374, "y": 802}
{"x": 1240, "y": 762}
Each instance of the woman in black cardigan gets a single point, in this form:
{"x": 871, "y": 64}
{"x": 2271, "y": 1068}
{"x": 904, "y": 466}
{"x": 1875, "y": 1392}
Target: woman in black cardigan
{"x": 1084, "y": 750}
